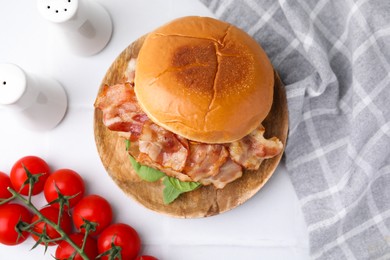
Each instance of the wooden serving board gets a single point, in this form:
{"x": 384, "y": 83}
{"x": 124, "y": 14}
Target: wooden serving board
{"x": 205, "y": 201}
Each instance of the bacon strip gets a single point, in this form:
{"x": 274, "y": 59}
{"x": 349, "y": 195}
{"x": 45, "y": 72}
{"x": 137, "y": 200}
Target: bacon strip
{"x": 145, "y": 160}
{"x": 251, "y": 150}
{"x": 229, "y": 172}
{"x": 205, "y": 160}
{"x": 121, "y": 111}
{"x": 163, "y": 147}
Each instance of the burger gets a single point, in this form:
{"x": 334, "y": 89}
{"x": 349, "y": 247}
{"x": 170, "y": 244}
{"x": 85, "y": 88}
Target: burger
{"x": 192, "y": 103}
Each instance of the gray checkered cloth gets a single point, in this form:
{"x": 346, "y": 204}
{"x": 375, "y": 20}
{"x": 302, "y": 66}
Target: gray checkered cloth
{"x": 334, "y": 57}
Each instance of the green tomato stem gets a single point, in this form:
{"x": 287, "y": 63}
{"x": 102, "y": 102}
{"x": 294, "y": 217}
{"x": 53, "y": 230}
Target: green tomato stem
{"x": 30, "y": 188}
{"x": 29, "y": 226}
{"x": 85, "y": 239}
{"x": 64, "y": 236}
{"x": 60, "y": 213}
{"x": 3, "y": 201}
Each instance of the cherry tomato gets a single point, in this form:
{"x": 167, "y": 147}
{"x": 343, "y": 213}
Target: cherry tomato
{"x": 51, "y": 213}
{"x": 146, "y": 257}
{"x": 64, "y": 250}
{"x": 121, "y": 235}
{"x": 10, "y": 214}
{"x": 68, "y": 182}
{"x": 95, "y": 209}
{"x": 5, "y": 182}
{"x": 34, "y": 165}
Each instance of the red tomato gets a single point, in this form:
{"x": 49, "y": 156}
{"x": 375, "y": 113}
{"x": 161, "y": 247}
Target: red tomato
{"x": 64, "y": 250}
{"x": 10, "y": 214}
{"x": 68, "y": 182}
{"x": 146, "y": 257}
{"x": 51, "y": 213}
{"x": 34, "y": 165}
{"x": 95, "y": 209}
{"x": 5, "y": 182}
{"x": 122, "y": 235}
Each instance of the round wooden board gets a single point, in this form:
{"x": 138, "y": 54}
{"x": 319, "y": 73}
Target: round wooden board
{"x": 205, "y": 201}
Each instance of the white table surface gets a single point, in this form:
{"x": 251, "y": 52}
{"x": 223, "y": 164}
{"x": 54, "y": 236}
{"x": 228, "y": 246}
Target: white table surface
{"x": 268, "y": 226}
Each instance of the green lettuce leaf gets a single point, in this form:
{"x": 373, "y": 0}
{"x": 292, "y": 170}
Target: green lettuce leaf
{"x": 146, "y": 173}
{"x": 183, "y": 186}
{"x": 173, "y": 187}
{"x": 170, "y": 193}
{"x": 127, "y": 143}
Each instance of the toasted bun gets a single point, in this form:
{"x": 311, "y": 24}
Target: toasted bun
{"x": 204, "y": 79}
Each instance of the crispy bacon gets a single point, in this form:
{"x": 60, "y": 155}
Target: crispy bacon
{"x": 229, "y": 172}
{"x": 251, "y": 150}
{"x": 204, "y": 160}
{"x": 163, "y": 147}
{"x": 144, "y": 159}
{"x": 121, "y": 111}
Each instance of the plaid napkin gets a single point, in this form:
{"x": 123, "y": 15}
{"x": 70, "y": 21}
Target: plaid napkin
{"x": 334, "y": 57}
